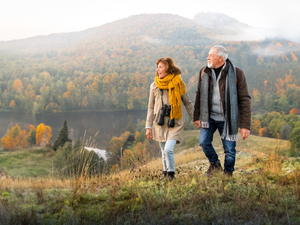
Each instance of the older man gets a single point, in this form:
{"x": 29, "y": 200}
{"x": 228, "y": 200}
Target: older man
{"x": 222, "y": 102}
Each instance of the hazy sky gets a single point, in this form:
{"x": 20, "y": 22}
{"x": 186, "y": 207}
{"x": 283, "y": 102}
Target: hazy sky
{"x": 27, "y": 18}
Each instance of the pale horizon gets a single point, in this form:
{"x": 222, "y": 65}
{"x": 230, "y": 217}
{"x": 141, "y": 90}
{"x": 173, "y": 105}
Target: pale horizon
{"x": 24, "y": 19}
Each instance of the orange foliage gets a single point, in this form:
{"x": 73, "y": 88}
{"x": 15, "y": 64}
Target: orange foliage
{"x": 18, "y": 86}
{"x": 43, "y": 134}
{"x": 294, "y": 111}
{"x": 115, "y": 168}
{"x": 52, "y": 107}
{"x": 127, "y": 158}
{"x": 12, "y": 104}
{"x": 255, "y": 126}
{"x": 264, "y": 132}
{"x": 66, "y": 94}
{"x": 93, "y": 88}
{"x": 15, "y": 138}
{"x": 70, "y": 86}
{"x": 140, "y": 152}
{"x": 29, "y": 92}
{"x": 294, "y": 57}
{"x": 137, "y": 135}
{"x": 7, "y": 142}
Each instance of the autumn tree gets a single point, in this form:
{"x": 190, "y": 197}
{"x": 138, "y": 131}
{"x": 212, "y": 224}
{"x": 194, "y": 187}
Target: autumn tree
{"x": 43, "y": 134}
{"x": 12, "y": 104}
{"x": 140, "y": 152}
{"x": 255, "y": 126}
{"x": 127, "y": 159}
{"x": 295, "y": 143}
{"x": 264, "y": 132}
{"x": 256, "y": 98}
{"x": 115, "y": 168}
{"x": 18, "y": 86}
{"x": 15, "y": 138}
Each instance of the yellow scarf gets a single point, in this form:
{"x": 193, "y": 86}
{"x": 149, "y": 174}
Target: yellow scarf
{"x": 176, "y": 87}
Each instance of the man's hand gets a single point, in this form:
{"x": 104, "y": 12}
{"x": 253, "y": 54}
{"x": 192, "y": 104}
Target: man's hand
{"x": 149, "y": 133}
{"x": 197, "y": 123}
{"x": 245, "y": 133}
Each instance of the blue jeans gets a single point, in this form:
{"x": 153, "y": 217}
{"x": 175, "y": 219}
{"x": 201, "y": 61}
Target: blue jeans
{"x": 167, "y": 153}
{"x": 205, "y": 141}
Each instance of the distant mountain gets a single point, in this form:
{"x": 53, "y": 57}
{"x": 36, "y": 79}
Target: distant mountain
{"x": 220, "y": 23}
{"x": 152, "y": 28}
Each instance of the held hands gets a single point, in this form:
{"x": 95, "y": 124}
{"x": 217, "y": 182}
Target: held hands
{"x": 197, "y": 123}
{"x": 245, "y": 133}
{"x": 149, "y": 133}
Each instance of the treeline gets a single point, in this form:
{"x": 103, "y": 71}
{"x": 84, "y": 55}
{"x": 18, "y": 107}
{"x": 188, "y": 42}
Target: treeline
{"x": 111, "y": 67}
{"x": 119, "y": 78}
{"x": 276, "y": 125}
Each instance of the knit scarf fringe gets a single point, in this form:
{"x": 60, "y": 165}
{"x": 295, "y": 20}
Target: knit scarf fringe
{"x": 176, "y": 87}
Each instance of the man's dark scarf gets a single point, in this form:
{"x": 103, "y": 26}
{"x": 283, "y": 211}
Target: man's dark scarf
{"x": 230, "y": 131}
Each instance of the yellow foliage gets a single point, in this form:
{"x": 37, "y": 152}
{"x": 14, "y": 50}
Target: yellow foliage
{"x": 43, "y": 134}
{"x": 115, "y": 168}
{"x": 14, "y": 138}
{"x": 18, "y": 86}
{"x": 137, "y": 135}
{"x": 12, "y": 104}
{"x": 255, "y": 126}
{"x": 66, "y": 94}
{"x": 127, "y": 159}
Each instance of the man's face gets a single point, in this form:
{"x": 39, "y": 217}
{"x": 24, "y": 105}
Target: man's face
{"x": 214, "y": 61}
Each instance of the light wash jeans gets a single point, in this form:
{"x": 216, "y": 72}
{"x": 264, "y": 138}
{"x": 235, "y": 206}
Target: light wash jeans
{"x": 167, "y": 153}
{"x": 205, "y": 141}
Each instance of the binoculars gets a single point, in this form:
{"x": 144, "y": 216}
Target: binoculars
{"x": 165, "y": 111}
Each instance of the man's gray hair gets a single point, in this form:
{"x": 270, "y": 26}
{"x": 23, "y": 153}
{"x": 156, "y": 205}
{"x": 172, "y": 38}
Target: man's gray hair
{"x": 221, "y": 51}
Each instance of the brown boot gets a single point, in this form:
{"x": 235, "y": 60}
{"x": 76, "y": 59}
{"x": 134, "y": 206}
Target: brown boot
{"x": 228, "y": 173}
{"x": 218, "y": 166}
{"x": 213, "y": 167}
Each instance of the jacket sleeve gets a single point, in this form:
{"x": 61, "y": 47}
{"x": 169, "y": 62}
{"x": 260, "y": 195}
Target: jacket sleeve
{"x": 188, "y": 105}
{"x": 197, "y": 99}
{"x": 150, "y": 113}
{"x": 244, "y": 100}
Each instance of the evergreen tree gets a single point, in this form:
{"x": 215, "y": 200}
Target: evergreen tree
{"x": 63, "y": 137}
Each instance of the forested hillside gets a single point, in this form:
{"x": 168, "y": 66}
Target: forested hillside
{"x": 111, "y": 67}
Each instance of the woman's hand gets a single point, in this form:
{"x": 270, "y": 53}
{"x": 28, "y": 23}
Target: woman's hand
{"x": 149, "y": 133}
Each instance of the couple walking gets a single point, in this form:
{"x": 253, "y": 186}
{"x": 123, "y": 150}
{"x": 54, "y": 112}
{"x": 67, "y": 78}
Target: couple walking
{"x": 222, "y": 102}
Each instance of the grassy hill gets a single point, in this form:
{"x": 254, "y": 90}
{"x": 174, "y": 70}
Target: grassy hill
{"x": 264, "y": 190}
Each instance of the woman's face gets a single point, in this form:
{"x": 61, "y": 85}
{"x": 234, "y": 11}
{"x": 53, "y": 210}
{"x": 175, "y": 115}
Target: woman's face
{"x": 161, "y": 70}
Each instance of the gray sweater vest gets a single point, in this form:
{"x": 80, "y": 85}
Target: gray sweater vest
{"x": 216, "y": 109}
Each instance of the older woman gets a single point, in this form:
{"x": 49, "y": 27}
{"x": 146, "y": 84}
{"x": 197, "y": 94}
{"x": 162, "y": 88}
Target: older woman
{"x": 166, "y": 114}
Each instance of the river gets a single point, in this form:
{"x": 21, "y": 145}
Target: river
{"x": 95, "y": 128}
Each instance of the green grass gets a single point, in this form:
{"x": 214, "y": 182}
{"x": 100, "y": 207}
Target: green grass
{"x": 265, "y": 189}
{"x": 27, "y": 162}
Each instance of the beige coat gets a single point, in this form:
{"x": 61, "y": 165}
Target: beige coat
{"x": 164, "y": 133}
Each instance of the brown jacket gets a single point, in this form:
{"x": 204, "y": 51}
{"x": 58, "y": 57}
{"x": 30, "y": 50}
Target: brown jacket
{"x": 244, "y": 99}
{"x": 164, "y": 133}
